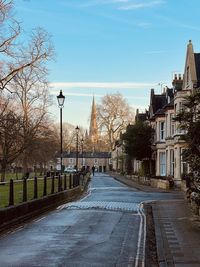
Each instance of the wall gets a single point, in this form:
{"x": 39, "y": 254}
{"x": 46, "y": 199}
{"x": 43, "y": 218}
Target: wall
{"x": 18, "y": 213}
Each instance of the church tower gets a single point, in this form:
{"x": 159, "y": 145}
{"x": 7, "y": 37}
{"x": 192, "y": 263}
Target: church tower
{"x": 93, "y": 131}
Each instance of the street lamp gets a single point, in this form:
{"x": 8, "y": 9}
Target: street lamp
{"x": 61, "y": 100}
{"x": 82, "y": 150}
{"x": 77, "y": 131}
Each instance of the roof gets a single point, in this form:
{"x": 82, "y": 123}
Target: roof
{"x": 169, "y": 105}
{"x": 159, "y": 112}
{"x": 141, "y": 117}
{"x": 87, "y": 155}
{"x": 159, "y": 102}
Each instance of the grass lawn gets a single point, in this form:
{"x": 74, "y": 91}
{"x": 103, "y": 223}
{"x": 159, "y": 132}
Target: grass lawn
{"x": 19, "y": 176}
{"x": 18, "y": 190}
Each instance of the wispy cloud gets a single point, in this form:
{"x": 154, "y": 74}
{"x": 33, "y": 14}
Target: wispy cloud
{"x": 132, "y": 5}
{"x": 125, "y": 4}
{"x": 155, "y": 52}
{"x": 76, "y": 94}
{"x": 103, "y": 85}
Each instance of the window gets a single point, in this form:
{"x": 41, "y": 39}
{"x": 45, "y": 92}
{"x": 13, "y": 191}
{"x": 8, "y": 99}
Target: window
{"x": 184, "y": 164}
{"x": 171, "y": 162}
{"x": 162, "y": 131}
{"x": 71, "y": 161}
{"x": 162, "y": 161}
{"x": 172, "y": 125}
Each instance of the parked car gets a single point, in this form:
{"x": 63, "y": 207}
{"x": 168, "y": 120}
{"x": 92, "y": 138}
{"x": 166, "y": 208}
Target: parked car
{"x": 69, "y": 170}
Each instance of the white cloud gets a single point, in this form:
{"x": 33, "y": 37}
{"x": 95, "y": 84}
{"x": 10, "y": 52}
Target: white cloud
{"x": 124, "y": 4}
{"x": 104, "y": 85}
{"x": 155, "y": 52}
{"x": 131, "y": 5}
{"x": 76, "y": 94}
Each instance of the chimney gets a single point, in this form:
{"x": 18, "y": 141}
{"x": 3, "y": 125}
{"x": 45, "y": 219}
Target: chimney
{"x": 177, "y": 82}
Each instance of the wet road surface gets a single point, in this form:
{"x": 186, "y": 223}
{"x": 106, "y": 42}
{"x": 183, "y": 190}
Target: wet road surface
{"x": 105, "y": 228}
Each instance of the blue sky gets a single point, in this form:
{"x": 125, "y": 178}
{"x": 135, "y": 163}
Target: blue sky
{"x": 108, "y": 46}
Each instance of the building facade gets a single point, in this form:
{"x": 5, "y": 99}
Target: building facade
{"x": 101, "y": 160}
{"x": 169, "y": 142}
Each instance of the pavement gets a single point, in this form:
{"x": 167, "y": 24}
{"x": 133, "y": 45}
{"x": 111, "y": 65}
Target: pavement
{"x": 177, "y": 229}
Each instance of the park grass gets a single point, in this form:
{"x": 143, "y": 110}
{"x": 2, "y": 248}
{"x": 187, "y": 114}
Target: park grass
{"x": 19, "y": 176}
{"x": 18, "y": 190}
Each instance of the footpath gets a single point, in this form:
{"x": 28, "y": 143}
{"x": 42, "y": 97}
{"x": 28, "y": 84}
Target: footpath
{"x": 177, "y": 230}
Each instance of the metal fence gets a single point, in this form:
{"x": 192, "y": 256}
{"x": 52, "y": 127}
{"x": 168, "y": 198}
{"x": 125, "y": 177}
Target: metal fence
{"x": 19, "y": 191}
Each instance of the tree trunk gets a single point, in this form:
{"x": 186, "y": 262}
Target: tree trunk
{"x": 3, "y": 171}
{"x": 25, "y": 165}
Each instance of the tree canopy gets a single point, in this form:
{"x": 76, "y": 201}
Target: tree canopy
{"x": 113, "y": 115}
{"x": 189, "y": 121}
{"x": 137, "y": 140}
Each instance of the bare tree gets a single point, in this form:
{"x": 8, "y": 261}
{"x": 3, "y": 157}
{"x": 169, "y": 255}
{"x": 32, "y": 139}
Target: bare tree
{"x": 15, "y": 56}
{"x": 44, "y": 147}
{"x": 11, "y": 139}
{"x": 32, "y": 100}
{"x": 113, "y": 115}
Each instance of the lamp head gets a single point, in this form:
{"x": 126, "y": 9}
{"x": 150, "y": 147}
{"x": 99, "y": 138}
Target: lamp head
{"x": 61, "y": 99}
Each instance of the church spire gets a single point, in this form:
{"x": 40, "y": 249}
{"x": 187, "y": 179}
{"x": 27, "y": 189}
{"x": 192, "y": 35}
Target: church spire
{"x": 93, "y": 131}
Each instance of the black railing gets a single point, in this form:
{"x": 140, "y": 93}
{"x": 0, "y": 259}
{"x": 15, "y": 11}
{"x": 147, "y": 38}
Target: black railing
{"x": 18, "y": 191}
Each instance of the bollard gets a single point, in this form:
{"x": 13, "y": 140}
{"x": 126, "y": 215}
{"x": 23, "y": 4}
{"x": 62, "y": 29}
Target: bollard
{"x": 52, "y": 184}
{"x": 24, "y": 190}
{"x": 35, "y": 188}
{"x": 65, "y": 182}
{"x": 11, "y": 193}
{"x": 45, "y": 186}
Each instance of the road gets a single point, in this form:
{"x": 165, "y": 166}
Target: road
{"x": 105, "y": 228}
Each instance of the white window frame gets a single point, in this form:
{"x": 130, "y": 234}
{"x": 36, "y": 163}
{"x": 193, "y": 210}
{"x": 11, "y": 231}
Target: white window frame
{"x": 162, "y": 130}
{"x": 162, "y": 163}
{"x": 184, "y": 164}
{"x": 172, "y": 162}
{"x": 172, "y": 125}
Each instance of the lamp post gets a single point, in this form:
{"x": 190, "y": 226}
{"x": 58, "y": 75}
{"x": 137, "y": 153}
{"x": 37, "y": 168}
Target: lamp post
{"x": 77, "y": 131}
{"x": 61, "y": 100}
{"x": 82, "y": 150}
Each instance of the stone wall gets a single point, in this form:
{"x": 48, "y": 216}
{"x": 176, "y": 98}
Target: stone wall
{"x": 18, "y": 213}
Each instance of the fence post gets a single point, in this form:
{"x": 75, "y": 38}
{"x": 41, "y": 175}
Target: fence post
{"x": 52, "y": 185}
{"x": 11, "y": 193}
{"x": 59, "y": 183}
{"x": 73, "y": 180}
{"x": 45, "y": 186}
{"x": 24, "y": 190}
{"x": 35, "y": 188}
{"x": 65, "y": 182}
{"x": 70, "y": 181}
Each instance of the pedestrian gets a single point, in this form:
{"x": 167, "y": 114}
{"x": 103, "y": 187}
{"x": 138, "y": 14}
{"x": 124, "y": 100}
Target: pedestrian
{"x": 93, "y": 170}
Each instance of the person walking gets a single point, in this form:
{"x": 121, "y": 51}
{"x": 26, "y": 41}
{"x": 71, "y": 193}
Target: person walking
{"x": 93, "y": 170}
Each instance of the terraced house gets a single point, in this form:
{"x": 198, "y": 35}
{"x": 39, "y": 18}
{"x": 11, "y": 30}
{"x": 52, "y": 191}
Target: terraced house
{"x": 168, "y": 142}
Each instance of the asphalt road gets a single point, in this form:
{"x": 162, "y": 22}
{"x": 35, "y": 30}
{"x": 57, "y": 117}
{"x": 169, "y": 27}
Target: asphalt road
{"x": 105, "y": 228}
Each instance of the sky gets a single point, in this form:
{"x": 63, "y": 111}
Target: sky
{"x": 108, "y": 46}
